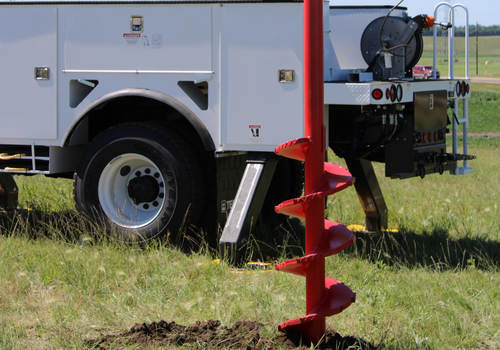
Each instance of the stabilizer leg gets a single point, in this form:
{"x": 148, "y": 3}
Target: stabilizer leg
{"x": 369, "y": 193}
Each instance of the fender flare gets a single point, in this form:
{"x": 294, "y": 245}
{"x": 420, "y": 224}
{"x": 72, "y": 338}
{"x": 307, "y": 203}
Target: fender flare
{"x": 151, "y": 94}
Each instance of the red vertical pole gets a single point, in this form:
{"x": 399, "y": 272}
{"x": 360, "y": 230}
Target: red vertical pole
{"x": 314, "y": 157}
{"x": 324, "y": 296}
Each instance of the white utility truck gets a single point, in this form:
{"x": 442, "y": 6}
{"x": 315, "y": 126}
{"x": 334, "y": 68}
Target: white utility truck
{"x": 156, "y": 108}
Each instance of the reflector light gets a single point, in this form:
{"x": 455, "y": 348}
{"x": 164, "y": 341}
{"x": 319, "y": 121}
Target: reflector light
{"x": 463, "y": 88}
{"x": 387, "y": 93}
{"x": 393, "y": 93}
{"x": 435, "y": 136}
{"x": 424, "y": 138}
{"x": 399, "y": 93}
{"x": 468, "y": 88}
{"x": 377, "y": 94}
{"x": 430, "y": 137}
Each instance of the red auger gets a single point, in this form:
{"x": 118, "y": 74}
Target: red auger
{"x": 324, "y": 296}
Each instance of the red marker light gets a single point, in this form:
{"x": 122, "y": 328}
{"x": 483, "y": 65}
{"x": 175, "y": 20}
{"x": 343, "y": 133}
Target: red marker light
{"x": 435, "y": 135}
{"x": 463, "y": 88}
{"x": 393, "y": 93}
{"x": 468, "y": 88}
{"x": 424, "y": 138}
{"x": 387, "y": 93}
{"x": 430, "y": 137}
{"x": 377, "y": 94}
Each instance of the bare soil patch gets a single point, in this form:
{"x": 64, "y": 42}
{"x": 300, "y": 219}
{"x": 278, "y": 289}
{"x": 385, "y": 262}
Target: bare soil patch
{"x": 210, "y": 334}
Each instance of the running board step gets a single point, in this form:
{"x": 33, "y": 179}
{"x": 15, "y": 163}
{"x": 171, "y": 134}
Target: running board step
{"x": 246, "y": 206}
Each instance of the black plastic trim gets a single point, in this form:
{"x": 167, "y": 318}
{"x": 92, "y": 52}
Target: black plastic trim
{"x": 205, "y": 137}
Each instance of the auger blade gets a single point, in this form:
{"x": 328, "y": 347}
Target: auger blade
{"x": 337, "y": 297}
{"x": 294, "y": 149}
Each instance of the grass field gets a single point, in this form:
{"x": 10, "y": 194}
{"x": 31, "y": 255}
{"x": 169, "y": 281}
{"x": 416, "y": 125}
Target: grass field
{"x": 488, "y": 48}
{"x": 484, "y": 111}
{"x": 434, "y": 284}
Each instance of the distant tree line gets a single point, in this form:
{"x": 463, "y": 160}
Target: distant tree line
{"x": 460, "y": 31}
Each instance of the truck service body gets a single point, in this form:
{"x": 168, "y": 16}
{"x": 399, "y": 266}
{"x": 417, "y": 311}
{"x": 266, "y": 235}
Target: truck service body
{"x": 157, "y": 107}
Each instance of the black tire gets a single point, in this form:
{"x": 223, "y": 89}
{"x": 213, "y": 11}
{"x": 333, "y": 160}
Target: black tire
{"x": 142, "y": 181}
{"x": 208, "y": 221}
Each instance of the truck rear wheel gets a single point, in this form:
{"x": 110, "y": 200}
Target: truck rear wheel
{"x": 141, "y": 180}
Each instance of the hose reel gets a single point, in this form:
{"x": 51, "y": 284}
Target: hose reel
{"x": 391, "y": 46}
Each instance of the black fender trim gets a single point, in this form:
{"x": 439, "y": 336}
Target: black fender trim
{"x": 154, "y": 95}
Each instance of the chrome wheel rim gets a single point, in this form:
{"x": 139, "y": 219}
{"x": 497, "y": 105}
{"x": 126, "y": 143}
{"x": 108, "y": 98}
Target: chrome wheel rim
{"x": 132, "y": 190}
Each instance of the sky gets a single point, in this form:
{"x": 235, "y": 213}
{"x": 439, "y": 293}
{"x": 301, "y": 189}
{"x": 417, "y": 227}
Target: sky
{"x": 485, "y": 12}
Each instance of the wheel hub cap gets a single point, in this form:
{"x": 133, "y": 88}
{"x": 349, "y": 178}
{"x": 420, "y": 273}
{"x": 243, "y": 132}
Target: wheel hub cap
{"x": 143, "y": 189}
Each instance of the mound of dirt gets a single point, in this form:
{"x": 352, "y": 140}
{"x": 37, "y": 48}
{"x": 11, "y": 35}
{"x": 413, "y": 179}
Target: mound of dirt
{"x": 210, "y": 334}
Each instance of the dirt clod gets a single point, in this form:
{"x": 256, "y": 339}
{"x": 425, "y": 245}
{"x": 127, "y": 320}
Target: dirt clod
{"x": 244, "y": 335}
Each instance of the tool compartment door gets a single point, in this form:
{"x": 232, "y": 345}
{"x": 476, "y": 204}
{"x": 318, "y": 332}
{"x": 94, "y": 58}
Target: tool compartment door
{"x": 28, "y": 39}
{"x": 257, "y": 40}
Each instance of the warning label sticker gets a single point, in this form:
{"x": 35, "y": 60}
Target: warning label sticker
{"x": 154, "y": 41}
{"x": 254, "y": 133}
{"x": 132, "y": 39}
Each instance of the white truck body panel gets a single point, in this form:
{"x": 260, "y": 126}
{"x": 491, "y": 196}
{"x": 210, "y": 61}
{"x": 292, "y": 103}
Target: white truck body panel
{"x": 237, "y": 48}
{"x": 180, "y": 42}
{"x": 346, "y": 27}
{"x": 361, "y": 93}
{"x": 250, "y": 59}
{"x": 98, "y": 38}
{"x": 28, "y": 40}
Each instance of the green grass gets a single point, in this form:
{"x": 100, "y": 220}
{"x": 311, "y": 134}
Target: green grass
{"x": 484, "y": 112}
{"x": 489, "y": 50}
{"x": 495, "y": 88}
{"x": 434, "y": 284}
{"x": 55, "y": 294}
